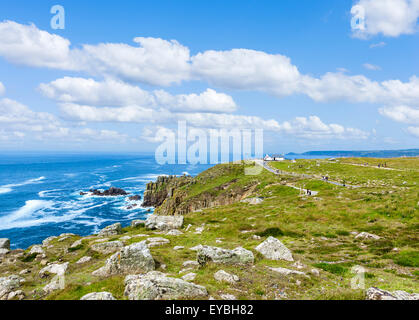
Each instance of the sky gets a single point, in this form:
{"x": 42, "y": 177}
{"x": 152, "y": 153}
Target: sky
{"x": 314, "y": 75}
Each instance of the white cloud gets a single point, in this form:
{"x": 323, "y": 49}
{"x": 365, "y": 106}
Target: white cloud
{"x": 372, "y": 67}
{"x": 2, "y": 89}
{"x": 309, "y": 128}
{"x": 27, "y": 45}
{"x": 404, "y": 114}
{"x": 390, "y": 18}
{"x": 378, "y": 44}
{"x": 88, "y": 91}
{"x": 207, "y": 101}
{"x": 247, "y": 69}
{"x": 154, "y": 61}
{"x": 112, "y": 93}
{"x": 161, "y": 62}
{"x": 18, "y": 122}
{"x": 413, "y": 131}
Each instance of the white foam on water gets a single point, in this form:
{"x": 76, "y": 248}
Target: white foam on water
{"x": 9, "y": 187}
{"x": 45, "y": 193}
{"x": 26, "y": 215}
{"x": 5, "y": 189}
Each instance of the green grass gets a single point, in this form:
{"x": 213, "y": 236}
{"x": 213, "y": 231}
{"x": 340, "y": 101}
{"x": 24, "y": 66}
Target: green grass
{"x": 408, "y": 259}
{"x": 333, "y": 268}
{"x": 316, "y": 229}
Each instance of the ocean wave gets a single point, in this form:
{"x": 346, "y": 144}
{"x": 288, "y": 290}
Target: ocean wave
{"x": 23, "y": 217}
{"x": 9, "y": 187}
{"x": 45, "y": 193}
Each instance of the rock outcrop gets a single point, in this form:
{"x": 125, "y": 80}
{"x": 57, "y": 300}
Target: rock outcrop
{"x": 36, "y": 249}
{"x": 274, "y": 249}
{"x": 111, "y": 230}
{"x": 164, "y": 222}
{"x": 378, "y": 294}
{"x": 287, "y": 272}
{"x": 135, "y": 258}
{"x": 224, "y": 276}
{"x": 5, "y": 243}
{"x": 111, "y": 192}
{"x": 58, "y": 281}
{"x": 98, "y": 296}
{"x": 219, "y": 255}
{"x": 157, "y": 286}
{"x": 4, "y": 246}
{"x": 157, "y": 192}
{"x": 8, "y": 286}
{"x": 157, "y": 242}
{"x": 107, "y": 247}
{"x": 367, "y": 236}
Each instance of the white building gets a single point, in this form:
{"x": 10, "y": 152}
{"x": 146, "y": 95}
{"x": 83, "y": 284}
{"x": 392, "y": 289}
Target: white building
{"x": 275, "y": 157}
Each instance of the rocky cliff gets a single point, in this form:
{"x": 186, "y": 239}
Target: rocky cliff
{"x": 181, "y": 195}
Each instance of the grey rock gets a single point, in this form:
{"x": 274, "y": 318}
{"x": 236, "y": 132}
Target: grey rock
{"x": 220, "y": 255}
{"x": 164, "y": 222}
{"x": 55, "y": 268}
{"x": 367, "y": 236}
{"x": 191, "y": 264}
{"x": 36, "y": 250}
{"x": 174, "y": 232}
{"x": 136, "y": 223}
{"x": 379, "y": 294}
{"x": 157, "y": 242}
{"x": 98, "y": 296}
{"x": 287, "y": 272}
{"x": 274, "y": 249}
{"x": 48, "y": 240}
{"x": 131, "y": 259}
{"x": 224, "y": 276}
{"x": 84, "y": 260}
{"x": 157, "y": 286}
{"x": 189, "y": 277}
{"x": 111, "y": 230}
{"x": 4, "y": 243}
{"x": 108, "y": 247}
{"x": 8, "y": 285}
{"x": 76, "y": 243}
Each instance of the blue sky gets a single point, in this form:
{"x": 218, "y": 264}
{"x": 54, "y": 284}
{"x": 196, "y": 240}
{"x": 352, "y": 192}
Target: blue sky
{"x": 296, "y": 67}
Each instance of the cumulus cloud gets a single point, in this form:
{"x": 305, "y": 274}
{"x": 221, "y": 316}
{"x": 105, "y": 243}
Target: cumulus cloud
{"x": 89, "y": 91}
{"x": 27, "y": 45}
{"x": 153, "y": 61}
{"x": 390, "y": 18}
{"x": 160, "y": 62}
{"x": 207, "y": 101}
{"x": 2, "y": 89}
{"x": 403, "y": 114}
{"x": 113, "y": 93}
{"x": 18, "y": 122}
{"x": 246, "y": 69}
{"x": 310, "y": 128}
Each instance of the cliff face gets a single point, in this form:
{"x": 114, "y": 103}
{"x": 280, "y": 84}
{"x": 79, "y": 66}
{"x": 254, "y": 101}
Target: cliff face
{"x": 181, "y": 195}
{"x": 157, "y": 192}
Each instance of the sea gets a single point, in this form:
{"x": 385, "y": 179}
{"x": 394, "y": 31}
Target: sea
{"x": 40, "y": 193}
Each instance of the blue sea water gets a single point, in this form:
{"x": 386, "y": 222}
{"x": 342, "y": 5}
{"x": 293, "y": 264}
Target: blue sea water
{"x": 40, "y": 193}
